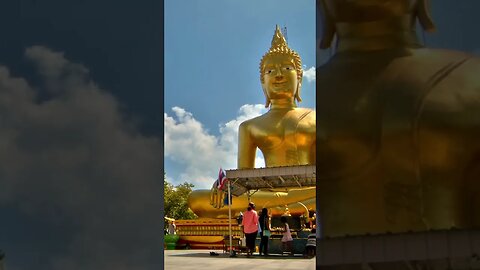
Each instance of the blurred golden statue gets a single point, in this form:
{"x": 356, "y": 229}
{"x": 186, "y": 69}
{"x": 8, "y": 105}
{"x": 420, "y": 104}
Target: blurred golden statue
{"x": 399, "y": 124}
{"x": 285, "y": 135}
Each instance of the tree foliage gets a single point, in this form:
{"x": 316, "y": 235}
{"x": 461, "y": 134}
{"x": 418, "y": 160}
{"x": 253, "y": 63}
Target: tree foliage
{"x": 176, "y": 200}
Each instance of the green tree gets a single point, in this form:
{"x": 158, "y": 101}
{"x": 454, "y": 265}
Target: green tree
{"x": 176, "y": 200}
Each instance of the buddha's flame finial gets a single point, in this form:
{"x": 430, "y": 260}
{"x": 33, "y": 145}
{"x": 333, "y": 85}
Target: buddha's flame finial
{"x": 278, "y": 40}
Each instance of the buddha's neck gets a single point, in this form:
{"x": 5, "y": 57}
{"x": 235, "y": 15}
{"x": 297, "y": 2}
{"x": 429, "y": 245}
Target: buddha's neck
{"x": 392, "y": 33}
{"x": 282, "y": 104}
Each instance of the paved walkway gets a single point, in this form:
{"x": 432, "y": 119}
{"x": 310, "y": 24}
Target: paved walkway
{"x": 196, "y": 259}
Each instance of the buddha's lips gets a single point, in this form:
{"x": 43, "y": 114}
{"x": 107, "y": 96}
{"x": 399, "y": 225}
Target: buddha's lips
{"x": 279, "y": 83}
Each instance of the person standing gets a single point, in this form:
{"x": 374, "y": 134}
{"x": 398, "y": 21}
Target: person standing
{"x": 250, "y": 227}
{"x": 264, "y": 221}
{"x": 287, "y": 240}
{"x": 171, "y": 227}
{"x": 311, "y": 244}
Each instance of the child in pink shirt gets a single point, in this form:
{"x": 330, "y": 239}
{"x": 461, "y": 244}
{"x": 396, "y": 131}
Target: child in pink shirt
{"x": 287, "y": 240}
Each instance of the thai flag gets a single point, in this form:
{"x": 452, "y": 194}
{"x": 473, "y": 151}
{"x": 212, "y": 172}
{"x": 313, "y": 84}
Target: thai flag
{"x": 215, "y": 184}
{"x": 222, "y": 178}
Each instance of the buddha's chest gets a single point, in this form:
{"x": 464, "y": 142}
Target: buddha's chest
{"x": 391, "y": 112}
{"x": 288, "y": 132}
{"x": 400, "y": 129}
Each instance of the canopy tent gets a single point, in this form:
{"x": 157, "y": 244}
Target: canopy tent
{"x": 274, "y": 178}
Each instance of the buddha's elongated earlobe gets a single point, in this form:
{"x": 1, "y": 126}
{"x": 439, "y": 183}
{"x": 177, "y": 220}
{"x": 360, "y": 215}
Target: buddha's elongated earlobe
{"x": 423, "y": 15}
{"x": 267, "y": 99}
{"x": 297, "y": 93}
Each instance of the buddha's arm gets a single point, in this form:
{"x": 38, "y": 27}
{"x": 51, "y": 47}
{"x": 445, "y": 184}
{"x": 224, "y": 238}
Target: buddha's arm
{"x": 246, "y": 148}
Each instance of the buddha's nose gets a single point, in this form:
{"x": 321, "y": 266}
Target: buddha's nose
{"x": 278, "y": 74}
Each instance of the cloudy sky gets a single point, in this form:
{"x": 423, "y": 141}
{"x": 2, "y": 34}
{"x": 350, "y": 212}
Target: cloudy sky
{"x": 81, "y": 134}
{"x": 212, "y": 55}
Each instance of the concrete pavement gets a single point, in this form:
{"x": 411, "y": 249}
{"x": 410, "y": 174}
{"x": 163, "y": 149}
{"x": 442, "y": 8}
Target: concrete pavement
{"x": 195, "y": 259}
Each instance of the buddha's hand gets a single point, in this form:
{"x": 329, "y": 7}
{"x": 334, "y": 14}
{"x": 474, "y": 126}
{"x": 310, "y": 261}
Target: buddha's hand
{"x": 217, "y": 197}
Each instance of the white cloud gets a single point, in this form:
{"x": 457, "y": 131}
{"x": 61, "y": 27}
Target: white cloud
{"x": 309, "y": 74}
{"x": 201, "y": 154}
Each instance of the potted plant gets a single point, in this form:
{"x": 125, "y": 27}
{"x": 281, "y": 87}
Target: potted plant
{"x": 171, "y": 240}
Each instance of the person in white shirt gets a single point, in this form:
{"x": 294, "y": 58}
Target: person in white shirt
{"x": 171, "y": 227}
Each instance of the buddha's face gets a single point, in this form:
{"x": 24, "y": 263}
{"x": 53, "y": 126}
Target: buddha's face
{"x": 280, "y": 77}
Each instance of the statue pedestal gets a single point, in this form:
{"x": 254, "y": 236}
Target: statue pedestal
{"x": 205, "y": 233}
{"x": 446, "y": 249}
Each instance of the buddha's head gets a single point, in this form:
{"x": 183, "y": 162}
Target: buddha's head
{"x": 281, "y": 71}
{"x": 360, "y": 11}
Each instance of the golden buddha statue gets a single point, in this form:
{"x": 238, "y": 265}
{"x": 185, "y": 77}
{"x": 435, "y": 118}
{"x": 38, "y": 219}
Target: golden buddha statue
{"x": 285, "y": 135}
{"x": 398, "y": 124}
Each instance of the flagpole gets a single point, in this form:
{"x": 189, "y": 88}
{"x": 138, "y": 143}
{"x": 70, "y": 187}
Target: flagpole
{"x": 229, "y": 217}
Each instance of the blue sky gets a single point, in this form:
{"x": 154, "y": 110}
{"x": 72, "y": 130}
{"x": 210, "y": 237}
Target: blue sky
{"x": 212, "y": 55}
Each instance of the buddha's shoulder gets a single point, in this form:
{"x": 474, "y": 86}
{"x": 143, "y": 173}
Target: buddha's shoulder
{"x": 304, "y": 113}
{"x": 439, "y": 54}
{"x": 253, "y": 122}
{"x": 425, "y": 61}
{"x": 259, "y": 122}
{"x": 262, "y": 120}
{"x": 305, "y": 110}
